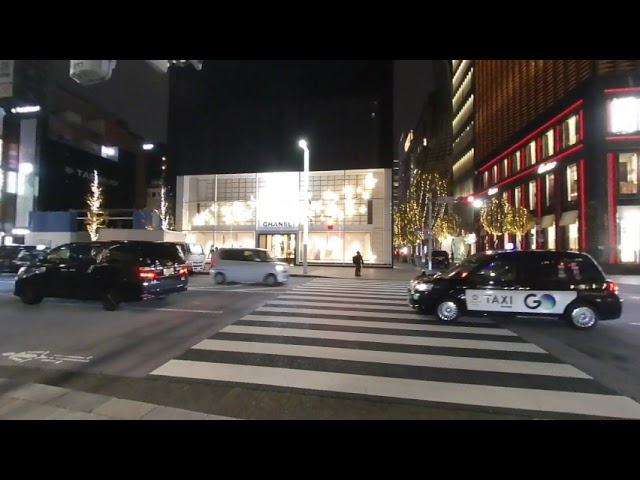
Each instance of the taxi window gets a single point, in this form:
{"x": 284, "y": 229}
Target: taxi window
{"x": 498, "y": 272}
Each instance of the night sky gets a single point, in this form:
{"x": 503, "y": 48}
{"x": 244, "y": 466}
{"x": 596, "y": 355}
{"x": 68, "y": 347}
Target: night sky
{"x": 139, "y": 94}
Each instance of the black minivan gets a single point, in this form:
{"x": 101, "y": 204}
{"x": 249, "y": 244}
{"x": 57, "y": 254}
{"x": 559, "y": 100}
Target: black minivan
{"x": 532, "y": 283}
{"x": 113, "y": 272}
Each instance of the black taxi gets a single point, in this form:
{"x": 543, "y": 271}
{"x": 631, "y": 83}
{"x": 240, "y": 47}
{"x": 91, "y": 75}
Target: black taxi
{"x": 528, "y": 283}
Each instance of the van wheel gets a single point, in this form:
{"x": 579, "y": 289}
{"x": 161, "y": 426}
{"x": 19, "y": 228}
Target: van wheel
{"x": 31, "y": 295}
{"x": 111, "y": 300}
{"x": 581, "y": 316}
{"x": 271, "y": 280}
{"x": 448, "y": 310}
{"x": 219, "y": 278}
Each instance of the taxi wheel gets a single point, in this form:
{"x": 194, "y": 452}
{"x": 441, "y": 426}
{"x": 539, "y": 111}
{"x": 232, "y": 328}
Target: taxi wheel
{"x": 448, "y": 310}
{"x": 582, "y": 316}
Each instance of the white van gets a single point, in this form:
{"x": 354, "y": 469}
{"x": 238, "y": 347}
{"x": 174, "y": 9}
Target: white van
{"x": 247, "y": 265}
{"x": 194, "y": 255}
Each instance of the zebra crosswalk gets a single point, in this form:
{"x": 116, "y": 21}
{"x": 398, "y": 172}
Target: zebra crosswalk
{"x": 359, "y": 337}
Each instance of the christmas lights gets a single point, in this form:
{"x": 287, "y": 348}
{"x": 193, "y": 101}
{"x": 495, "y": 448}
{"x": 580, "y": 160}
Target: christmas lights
{"x": 494, "y": 214}
{"x": 96, "y": 217}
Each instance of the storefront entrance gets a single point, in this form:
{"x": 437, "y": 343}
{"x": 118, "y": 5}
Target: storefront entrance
{"x": 281, "y": 246}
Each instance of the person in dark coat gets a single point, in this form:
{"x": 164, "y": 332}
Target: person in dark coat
{"x": 358, "y": 261}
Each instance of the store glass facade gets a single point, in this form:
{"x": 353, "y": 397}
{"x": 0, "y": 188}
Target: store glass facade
{"x": 349, "y": 211}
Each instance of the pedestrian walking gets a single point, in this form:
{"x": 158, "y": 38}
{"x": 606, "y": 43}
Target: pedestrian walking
{"x": 358, "y": 261}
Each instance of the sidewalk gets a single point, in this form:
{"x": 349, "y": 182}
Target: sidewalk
{"x": 36, "y": 401}
{"x": 401, "y": 272}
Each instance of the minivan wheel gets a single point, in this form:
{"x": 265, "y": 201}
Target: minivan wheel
{"x": 219, "y": 278}
{"x": 448, "y": 310}
{"x": 271, "y": 280}
{"x": 31, "y": 295}
{"x": 110, "y": 300}
{"x": 582, "y": 317}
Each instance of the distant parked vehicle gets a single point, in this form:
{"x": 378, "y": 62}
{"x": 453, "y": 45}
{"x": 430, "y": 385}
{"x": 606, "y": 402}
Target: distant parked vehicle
{"x": 194, "y": 255}
{"x": 14, "y": 257}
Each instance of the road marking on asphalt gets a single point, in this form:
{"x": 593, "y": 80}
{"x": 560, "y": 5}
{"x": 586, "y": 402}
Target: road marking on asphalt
{"x": 637, "y": 324}
{"x": 431, "y": 391}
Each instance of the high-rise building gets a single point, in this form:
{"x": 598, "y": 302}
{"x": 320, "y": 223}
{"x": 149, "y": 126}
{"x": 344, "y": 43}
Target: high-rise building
{"x": 247, "y": 116}
{"x": 562, "y": 139}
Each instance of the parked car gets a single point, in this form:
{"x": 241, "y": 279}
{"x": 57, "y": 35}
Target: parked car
{"x": 440, "y": 259}
{"x": 247, "y": 265}
{"x": 194, "y": 255}
{"x": 14, "y": 257}
{"x": 557, "y": 284}
{"x": 113, "y": 272}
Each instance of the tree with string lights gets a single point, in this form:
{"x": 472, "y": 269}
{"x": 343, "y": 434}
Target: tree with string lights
{"x": 447, "y": 225}
{"x": 406, "y": 221}
{"x": 494, "y": 215}
{"x": 519, "y": 221}
{"x": 96, "y": 216}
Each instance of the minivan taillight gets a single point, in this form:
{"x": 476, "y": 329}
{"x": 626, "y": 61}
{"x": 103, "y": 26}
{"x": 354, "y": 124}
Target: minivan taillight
{"x": 146, "y": 274}
{"x": 612, "y": 286}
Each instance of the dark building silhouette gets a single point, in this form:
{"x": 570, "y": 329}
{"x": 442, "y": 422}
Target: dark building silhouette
{"x": 247, "y": 116}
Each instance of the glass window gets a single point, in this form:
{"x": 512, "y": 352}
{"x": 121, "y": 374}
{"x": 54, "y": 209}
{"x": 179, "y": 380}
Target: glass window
{"x": 494, "y": 173}
{"x": 624, "y": 115}
{"x": 532, "y": 154}
{"x": 517, "y": 192}
{"x": 551, "y": 237}
{"x": 496, "y": 273}
{"x": 573, "y": 236}
{"x": 570, "y": 133}
{"x": 547, "y": 144}
{"x": 533, "y": 195}
{"x": 572, "y": 182}
{"x": 550, "y": 184}
{"x": 485, "y": 179}
{"x": 12, "y": 182}
{"x": 505, "y": 168}
{"x": 629, "y": 233}
{"x": 517, "y": 159}
{"x": 59, "y": 253}
{"x": 628, "y": 173}
{"x": 337, "y": 247}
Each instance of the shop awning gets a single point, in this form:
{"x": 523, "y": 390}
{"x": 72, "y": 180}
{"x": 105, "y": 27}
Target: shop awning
{"x": 547, "y": 221}
{"x": 568, "y": 218}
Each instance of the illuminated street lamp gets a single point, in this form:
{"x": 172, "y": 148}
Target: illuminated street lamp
{"x": 305, "y": 233}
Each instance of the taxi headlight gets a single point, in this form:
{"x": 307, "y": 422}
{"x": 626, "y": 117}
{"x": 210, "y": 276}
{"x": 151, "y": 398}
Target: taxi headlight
{"x": 424, "y": 287}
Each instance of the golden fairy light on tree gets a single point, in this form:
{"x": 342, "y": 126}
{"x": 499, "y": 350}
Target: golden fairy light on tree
{"x": 96, "y": 217}
{"x": 164, "y": 217}
{"x": 406, "y": 221}
{"x": 423, "y": 187}
{"x": 494, "y": 214}
{"x": 447, "y": 225}
{"x": 519, "y": 221}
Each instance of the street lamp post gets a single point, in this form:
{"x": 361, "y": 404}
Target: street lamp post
{"x": 305, "y": 189}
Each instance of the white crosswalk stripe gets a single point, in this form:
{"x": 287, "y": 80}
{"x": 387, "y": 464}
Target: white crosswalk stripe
{"x": 360, "y": 338}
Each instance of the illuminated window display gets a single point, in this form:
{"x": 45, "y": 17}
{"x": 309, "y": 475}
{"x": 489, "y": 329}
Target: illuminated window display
{"x": 629, "y": 233}
{"x": 349, "y": 211}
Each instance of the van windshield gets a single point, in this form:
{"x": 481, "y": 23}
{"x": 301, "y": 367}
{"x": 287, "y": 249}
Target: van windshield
{"x": 196, "y": 249}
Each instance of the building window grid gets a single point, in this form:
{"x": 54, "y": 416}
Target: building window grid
{"x": 628, "y": 173}
{"x": 529, "y": 156}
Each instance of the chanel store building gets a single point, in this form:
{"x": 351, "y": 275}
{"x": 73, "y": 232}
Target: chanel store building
{"x": 349, "y": 211}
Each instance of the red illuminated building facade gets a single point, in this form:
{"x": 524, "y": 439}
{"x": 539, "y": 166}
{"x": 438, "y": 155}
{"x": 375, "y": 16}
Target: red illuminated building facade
{"x": 562, "y": 139}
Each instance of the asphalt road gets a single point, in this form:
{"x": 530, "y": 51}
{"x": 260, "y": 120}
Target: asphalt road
{"x": 610, "y": 352}
{"x": 322, "y": 349}
{"x": 130, "y": 342}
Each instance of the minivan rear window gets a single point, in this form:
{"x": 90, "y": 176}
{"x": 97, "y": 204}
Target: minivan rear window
{"x": 148, "y": 254}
